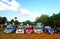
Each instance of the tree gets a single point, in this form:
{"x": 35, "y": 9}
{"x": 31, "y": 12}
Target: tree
{"x": 33, "y": 23}
{"x": 0, "y": 20}
{"x": 16, "y": 22}
{"x": 3, "y": 20}
{"x": 55, "y": 20}
{"x": 12, "y": 21}
{"x": 58, "y": 19}
{"x": 15, "y": 18}
{"x": 43, "y": 19}
{"x": 27, "y": 22}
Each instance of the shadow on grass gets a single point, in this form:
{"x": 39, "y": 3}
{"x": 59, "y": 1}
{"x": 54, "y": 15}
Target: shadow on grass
{"x": 1, "y": 30}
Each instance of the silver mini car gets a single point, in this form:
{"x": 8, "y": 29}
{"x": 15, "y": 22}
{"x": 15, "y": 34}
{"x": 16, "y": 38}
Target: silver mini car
{"x": 20, "y": 29}
{"x": 38, "y": 30}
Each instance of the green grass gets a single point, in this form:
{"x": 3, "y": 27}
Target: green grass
{"x": 2, "y": 30}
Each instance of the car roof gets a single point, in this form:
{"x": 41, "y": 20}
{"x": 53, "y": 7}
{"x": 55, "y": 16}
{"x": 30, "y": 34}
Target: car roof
{"x": 47, "y": 27}
{"x": 10, "y": 25}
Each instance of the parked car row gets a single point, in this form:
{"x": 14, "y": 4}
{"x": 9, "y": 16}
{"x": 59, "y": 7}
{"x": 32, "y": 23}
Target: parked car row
{"x": 30, "y": 29}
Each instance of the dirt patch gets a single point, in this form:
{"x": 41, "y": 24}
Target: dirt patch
{"x": 29, "y": 36}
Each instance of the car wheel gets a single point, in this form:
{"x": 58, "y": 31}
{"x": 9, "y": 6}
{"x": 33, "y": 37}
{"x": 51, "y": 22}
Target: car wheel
{"x": 51, "y": 33}
{"x": 56, "y": 31}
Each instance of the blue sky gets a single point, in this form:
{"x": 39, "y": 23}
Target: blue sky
{"x": 28, "y": 9}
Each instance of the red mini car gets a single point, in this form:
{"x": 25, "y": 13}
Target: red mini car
{"x": 29, "y": 30}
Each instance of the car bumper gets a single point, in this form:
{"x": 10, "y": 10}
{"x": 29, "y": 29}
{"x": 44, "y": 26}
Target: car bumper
{"x": 19, "y": 31}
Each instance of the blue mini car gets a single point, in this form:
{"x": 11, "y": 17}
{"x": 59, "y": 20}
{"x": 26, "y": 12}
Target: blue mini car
{"x": 57, "y": 29}
{"x": 48, "y": 29}
{"x": 9, "y": 29}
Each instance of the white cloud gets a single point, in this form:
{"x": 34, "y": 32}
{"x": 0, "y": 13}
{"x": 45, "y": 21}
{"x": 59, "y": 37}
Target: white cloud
{"x": 25, "y": 11}
{"x": 16, "y": 7}
{"x": 35, "y": 14}
{"x": 11, "y": 6}
{"x": 5, "y": 0}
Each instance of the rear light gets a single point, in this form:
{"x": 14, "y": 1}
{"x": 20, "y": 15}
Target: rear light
{"x": 26, "y": 30}
{"x": 30, "y": 30}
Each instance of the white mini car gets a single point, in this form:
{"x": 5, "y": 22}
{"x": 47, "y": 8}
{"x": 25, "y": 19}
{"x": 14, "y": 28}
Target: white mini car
{"x": 38, "y": 30}
{"x": 20, "y": 30}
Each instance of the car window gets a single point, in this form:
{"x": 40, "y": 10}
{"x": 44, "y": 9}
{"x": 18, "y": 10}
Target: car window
{"x": 8, "y": 28}
{"x": 28, "y": 28}
{"x": 38, "y": 28}
{"x": 20, "y": 28}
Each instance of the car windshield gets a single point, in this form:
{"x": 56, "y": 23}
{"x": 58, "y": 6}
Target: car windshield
{"x": 20, "y": 28}
{"x": 28, "y": 28}
{"x": 38, "y": 28}
{"x": 8, "y": 28}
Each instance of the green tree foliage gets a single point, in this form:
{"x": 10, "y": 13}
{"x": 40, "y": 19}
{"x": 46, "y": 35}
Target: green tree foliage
{"x": 58, "y": 19}
{"x": 33, "y": 23}
{"x": 15, "y": 18}
{"x": 12, "y": 21}
{"x": 16, "y": 22}
{"x": 27, "y": 22}
{"x": 43, "y": 19}
{"x": 53, "y": 20}
{"x": 0, "y": 20}
{"x": 3, "y": 20}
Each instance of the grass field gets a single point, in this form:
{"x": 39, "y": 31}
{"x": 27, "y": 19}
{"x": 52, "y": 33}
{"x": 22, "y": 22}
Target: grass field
{"x": 2, "y": 30}
{"x": 29, "y": 36}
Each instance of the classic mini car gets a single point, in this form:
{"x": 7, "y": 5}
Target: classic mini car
{"x": 9, "y": 29}
{"x": 38, "y": 30}
{"x": 20, "y": 29}
{"x": 48, "y": 29}
{"x": 57, "y": 29}
{"x": 29, "y": 30}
